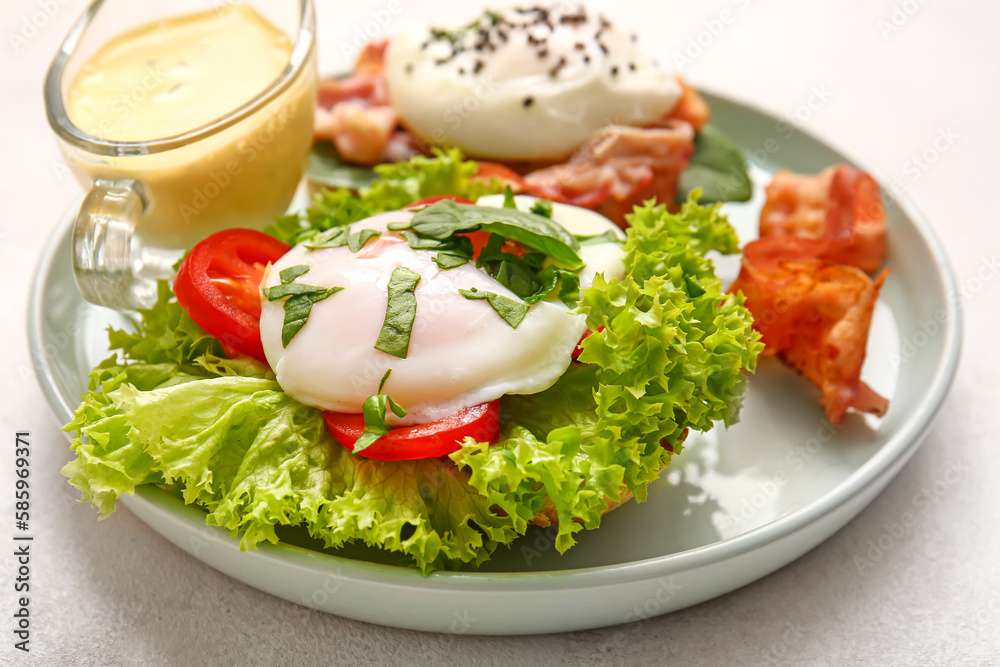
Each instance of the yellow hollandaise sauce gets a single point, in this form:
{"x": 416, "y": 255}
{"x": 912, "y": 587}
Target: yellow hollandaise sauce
{"x": 172, "y": 76}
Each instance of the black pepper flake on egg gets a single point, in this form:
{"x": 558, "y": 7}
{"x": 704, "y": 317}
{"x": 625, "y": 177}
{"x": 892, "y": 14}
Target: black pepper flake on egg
{"x": 604, "y": 25}
{"x": 554, "y": 72}
{"x": 631, "y": 67}
{"x": 586, "y": 60}
{"x": 528, "y": 101}
{"x": 603, "y": 48}
{"x": 543, "y": 52}
{"x": 579, "y": 46}
{"x": 614, "y": 71}
{"x": 477, "y": 67}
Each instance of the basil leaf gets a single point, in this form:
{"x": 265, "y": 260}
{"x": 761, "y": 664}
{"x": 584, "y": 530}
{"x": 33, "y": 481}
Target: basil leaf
{"x": 446, "y": 218}
{"x": 448, "y": 260}
{"x": 400, "y": 311}
{"x": 518, "y": 274}
{"x": 542, "y": 207}
{"x": 568, "y": 282}
{"x": 358, "y": 240}
{"x": 451, "y": 253}
{"x": 326, "y": 167}
{"x": 384, "y": 378}
{"x": 607, "y": 237}
{"x": 508, "y": 198}
{"x": 374, "y": 411}
{"x": 297, "y": 311}
{"x": 717, "y": 167}
{"x": 331, "y": 238}
{"x": 292, "y": 272}
{"x": 512, "y": 312}
{"x": 418, "y": 242}
{"x": 290, "y": 289}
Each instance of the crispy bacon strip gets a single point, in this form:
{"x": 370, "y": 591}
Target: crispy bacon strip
{"x": 618, "y": 168}
{"x": 362, "y": 133}
{"x": 814, "y": 316}
{"x": 354, "y": 113}
{"x": 691, "y": 107}
{"x": 840, "y": 205}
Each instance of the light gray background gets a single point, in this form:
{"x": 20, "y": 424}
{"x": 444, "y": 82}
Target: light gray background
{"x": 115, "y": 592}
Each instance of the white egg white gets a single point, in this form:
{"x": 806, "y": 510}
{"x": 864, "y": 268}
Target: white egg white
{"x": 524, "y": 84}
{"x": 461, "y": 353}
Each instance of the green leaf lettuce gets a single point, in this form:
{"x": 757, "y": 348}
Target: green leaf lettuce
{"x": 169, "y": 409}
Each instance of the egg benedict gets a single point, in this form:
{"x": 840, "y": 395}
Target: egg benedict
{"x": 524, "y": 84}
{"x": 215, "y": 392}
{"x": 460, "y": 353}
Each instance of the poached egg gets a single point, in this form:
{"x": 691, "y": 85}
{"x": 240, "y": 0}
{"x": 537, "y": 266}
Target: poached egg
{"x": 461, "y": 353}
{"x": 524, "y": 84}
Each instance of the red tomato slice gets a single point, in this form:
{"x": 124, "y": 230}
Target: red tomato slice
{"x": 423, "y": 441}
{"x": 218, "y": 284}
{"x": 578, "y": 350}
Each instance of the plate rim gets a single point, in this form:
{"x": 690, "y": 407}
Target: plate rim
{"x": 895, "y": 451}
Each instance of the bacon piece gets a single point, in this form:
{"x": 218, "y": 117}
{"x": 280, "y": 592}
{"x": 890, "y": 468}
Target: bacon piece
{"x": 372, "y": 57}
{"x": 361, "y": 134}
{"x": 691, "y": 107}
{"x": 355, "y": 114}
{"x": 619, "y": 167}
{"x": 840, "y": 205}
{"x": 369, "y": 89}
{"x": 814, "y": 316}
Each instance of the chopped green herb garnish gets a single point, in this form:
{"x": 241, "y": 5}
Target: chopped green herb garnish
{"x": 542, "y": 207}
{"x": 297, "y": 310}
{"x": 607, "y": 237}
{"x": 443, "y": 219}
{"x": 358, "y": 240}
{"x": 400, "y": 311}
{"x": 508, "y": 198}
{"x": 374, "y": 411}
{"x": 510, "y": 310}
{"x": 448, "y": 260}
{"x": 290, "y": 289}
{"x": 418, "y": 242}
{"x": 292, "y": 272}
{"x": 331, "y": 238}
{"x": 300, "y": 297}
{"x": 529, "y": 277}
{"x": 383, "y": 380}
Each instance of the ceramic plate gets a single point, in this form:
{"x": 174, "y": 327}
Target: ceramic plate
{"x": 733, "y": 507}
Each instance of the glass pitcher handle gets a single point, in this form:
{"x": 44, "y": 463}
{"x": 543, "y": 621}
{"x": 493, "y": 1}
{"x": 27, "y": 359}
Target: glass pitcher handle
{"x": 106, "y": 255}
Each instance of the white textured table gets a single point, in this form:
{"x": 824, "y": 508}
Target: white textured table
{"x": 889, "y": 78}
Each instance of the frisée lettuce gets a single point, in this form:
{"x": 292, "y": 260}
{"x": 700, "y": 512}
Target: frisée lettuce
{"x": 168, "y": 408}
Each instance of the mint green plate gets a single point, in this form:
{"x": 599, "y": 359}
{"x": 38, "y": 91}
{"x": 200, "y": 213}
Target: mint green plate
{"x": 735, "y": 506}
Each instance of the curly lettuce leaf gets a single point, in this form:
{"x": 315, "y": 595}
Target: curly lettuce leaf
{"x": 396, "y": 185}
{"x": 670, "y": 357}
{"x": 169, "y": 409}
